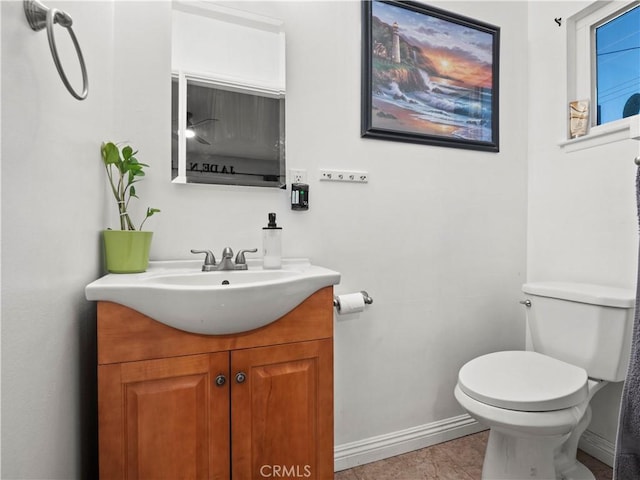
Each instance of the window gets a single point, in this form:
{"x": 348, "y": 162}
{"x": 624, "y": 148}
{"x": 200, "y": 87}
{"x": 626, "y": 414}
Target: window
{"x": 617, "y": 66}
{"x": 604, "y": 61}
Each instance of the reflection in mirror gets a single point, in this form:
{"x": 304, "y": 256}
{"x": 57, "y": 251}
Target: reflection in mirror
{"x": 228, "y": 96}
{"x": 232, "y": 137}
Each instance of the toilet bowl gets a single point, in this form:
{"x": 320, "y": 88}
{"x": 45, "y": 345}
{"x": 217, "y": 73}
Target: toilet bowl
{"x": 533, "y": 405}
{"x": 536, "y": 403}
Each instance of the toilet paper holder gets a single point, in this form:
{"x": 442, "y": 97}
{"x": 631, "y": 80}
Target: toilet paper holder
{"x": 367, "y": 299}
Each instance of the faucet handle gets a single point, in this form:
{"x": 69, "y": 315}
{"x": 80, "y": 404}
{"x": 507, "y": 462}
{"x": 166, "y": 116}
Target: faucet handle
{"x": 240, "y": 257}
{"x": 209, "y": 259}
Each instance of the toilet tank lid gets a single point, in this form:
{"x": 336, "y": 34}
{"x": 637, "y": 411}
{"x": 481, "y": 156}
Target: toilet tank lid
{"x": 583, "y": 292}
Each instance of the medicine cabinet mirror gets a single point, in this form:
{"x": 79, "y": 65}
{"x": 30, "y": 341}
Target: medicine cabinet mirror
{"x": 228, "y": 96}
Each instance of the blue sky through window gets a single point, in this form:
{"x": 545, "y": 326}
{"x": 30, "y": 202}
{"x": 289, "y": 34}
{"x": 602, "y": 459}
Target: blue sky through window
{"x": 618, "y": 66}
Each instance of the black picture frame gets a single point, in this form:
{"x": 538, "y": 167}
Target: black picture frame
{"x": 429, "y": 76}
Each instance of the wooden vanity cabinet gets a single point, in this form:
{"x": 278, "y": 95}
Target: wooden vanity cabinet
{"x": 176, "y": 405}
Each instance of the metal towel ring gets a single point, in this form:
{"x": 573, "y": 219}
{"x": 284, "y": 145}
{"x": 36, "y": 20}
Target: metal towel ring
{"x": 40, "y": 17}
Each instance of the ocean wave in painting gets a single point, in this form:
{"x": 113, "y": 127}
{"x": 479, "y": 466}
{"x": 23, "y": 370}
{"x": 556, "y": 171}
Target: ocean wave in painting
{"x": 467, "y": 110}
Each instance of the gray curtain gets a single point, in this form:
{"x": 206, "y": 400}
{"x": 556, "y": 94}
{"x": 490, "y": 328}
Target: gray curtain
{"x": 627, "y": 459}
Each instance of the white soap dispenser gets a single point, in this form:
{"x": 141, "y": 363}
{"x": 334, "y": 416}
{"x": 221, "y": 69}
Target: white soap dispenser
{"x": 272, "y": 244}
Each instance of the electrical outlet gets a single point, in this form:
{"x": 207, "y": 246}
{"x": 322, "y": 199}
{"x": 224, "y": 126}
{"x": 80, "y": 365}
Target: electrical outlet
{"x": 297, "y": 175}
{"x": 344, "y": 176}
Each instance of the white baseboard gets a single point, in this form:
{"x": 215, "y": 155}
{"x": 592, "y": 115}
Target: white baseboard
{"x": 371, "y": 449}
{"x": 597, "y": 447}
{"x": 376, "y": 448}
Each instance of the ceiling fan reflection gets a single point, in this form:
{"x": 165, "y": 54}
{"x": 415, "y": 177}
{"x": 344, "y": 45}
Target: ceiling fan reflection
{"x": 191, "y": 132}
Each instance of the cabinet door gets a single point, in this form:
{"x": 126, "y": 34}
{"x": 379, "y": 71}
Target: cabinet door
{"x": 282, "y": 411}
{"x": 164, "y": 419}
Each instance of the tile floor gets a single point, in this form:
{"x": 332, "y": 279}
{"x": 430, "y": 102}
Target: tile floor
{"x": 459, "y": 459}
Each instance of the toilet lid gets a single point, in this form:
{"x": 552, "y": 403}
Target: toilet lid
{"x": 524, "y": 381}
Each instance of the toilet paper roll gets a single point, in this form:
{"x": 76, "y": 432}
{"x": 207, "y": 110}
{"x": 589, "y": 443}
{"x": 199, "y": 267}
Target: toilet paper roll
{"x": 350, "y": 303}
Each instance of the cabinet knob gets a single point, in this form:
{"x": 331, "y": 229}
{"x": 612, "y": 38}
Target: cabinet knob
{"x": 241, "y": 377}
{"x": 221, "y": 380}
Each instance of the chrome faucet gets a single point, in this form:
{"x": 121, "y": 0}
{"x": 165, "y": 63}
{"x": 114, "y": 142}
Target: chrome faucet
{"x": 226, "y": 263}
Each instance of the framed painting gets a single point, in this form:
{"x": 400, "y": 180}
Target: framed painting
{"x": 429, "y": 76}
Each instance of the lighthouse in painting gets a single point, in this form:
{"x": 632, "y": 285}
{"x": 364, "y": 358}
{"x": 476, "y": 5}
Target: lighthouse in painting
{"x": 395, "y": 47}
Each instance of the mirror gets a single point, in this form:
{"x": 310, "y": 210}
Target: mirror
{"x": 228, "y": 96}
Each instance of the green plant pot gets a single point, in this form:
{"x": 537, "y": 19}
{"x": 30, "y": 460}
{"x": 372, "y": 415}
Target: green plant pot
{"x": 127, "y": 251}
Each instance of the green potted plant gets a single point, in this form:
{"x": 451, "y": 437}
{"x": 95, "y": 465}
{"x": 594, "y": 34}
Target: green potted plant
{"x": 127, "y": 249}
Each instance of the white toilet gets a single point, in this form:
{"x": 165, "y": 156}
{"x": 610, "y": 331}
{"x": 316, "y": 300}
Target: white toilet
{"x": 536, "y": 403}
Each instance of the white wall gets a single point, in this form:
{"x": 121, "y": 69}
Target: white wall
{"x": 52, "y": 211}
{"x": 437, "y": 237}
{"x": 582, "y": 213}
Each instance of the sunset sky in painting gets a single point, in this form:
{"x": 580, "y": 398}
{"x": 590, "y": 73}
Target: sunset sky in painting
{"x": 459, "y": 52}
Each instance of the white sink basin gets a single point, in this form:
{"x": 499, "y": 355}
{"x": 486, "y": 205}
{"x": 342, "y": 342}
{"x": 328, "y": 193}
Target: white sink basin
{"x": 217, "y": 278}
{"x": 178, "y": 294}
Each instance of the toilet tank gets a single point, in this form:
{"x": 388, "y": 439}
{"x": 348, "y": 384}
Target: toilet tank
{"x": 583, "y": 324}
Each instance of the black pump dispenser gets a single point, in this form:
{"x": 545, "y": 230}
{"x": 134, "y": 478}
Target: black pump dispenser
{"x": 272, "y": 222}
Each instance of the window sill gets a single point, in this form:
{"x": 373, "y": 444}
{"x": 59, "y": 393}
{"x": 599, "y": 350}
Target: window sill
{"x": 625, "y": 129}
